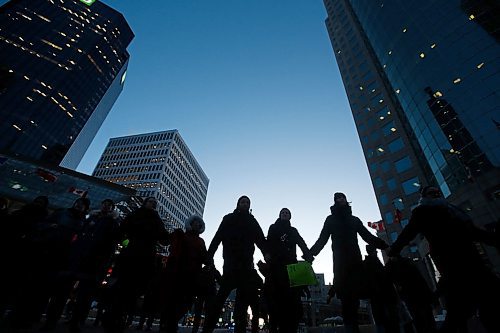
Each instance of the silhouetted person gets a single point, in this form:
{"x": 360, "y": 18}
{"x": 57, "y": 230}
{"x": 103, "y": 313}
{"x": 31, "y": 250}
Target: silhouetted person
{"x": 284, "y": 301}
{"x": 206, "y": 290}
{"x": 18, "y": 230}
{"x": 382, "y": 294}
{"x": 414, "y": 291}
{"x": 183, "y": 268}
{"x": 466, "y": 284}
{"x": 238, "y": 232}
{"x": 50, "y": 256}
{"x": 343, "y": 228}
{"x": 135, "y": 265}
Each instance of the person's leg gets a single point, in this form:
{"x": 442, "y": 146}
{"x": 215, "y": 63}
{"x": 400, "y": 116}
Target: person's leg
{"x": 198, "y": 308}
{"x": 227, "y": 284}
{"x": 350, "y": 306}
{"x": 488, "y": 305}
{"x": 58, "y": 300}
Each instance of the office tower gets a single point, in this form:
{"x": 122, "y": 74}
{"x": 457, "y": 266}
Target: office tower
{"x": 160, "y": 165}
{"x": 62, "y": 66}
{"x": 423, "y": 85}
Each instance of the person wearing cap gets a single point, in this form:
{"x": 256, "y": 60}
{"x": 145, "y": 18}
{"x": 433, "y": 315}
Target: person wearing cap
{"x": 467, "y": 285}
{"x": 343, "y": 228}
{"x": 238, "y": 232}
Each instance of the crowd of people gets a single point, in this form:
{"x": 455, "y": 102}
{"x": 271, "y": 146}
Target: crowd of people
{"x": 73, "y": 258}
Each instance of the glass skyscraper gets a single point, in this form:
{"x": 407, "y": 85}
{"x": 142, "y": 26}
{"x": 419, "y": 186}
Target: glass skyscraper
{"x": 423, "y": 82}
{"x": 62, "y": 66}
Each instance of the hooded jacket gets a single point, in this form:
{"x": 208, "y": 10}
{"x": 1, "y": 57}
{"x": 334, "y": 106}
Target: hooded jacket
{"x": 450, "y": 233}
{"x": 238, "y": 232}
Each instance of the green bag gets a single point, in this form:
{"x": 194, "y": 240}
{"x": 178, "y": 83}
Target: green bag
{"x": 301, "y": 274}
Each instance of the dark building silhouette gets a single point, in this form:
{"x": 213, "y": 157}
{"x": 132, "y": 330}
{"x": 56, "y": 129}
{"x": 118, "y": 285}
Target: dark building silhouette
{"x": 423, "y": 85}
{"x": 62, "y": 66}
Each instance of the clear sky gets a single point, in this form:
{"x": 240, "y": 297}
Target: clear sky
{"x": 254, "y": 89}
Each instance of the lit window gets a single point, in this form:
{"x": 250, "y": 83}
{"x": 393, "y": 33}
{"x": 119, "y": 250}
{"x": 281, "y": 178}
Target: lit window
{"x": 380, "y": 149}
{"x": 437, "y": 94}
{"x": 457, "y": 80}
{"x": 44, "y": 146}
{"x": 479, "y": 66}
{"x": 422, "y": 55}
{"x": 471, "y": 17}
{"x": 398, "y": 91}
{"x": 433, "y": 45}
{"x": 27, "y": 78}
{"x": 405, "y": 30}
{"x": 393, "y": 129}
{"x": 384, "y": 66}
{"x": 16, "y": 127}
{"x": 11, "y": 71}
{"x": 390, "y": 52}
{"x": 360, "y": 87}
{"x": 381, "y": 101}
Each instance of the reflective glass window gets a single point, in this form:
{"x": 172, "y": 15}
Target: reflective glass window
{"x": 389, "y": 128}
{"x": 389, "y": 218}
{"x": 403, "y": 164}
{"x": 383, "y": 199}
{"x": 378, "y": 182}
{"x": 394, "y": 236}
{"x": 395, "y": 145}
{"x": 411, "y": 185}
{"x": 391, "y": 184}
{"x": 386, "y": 166}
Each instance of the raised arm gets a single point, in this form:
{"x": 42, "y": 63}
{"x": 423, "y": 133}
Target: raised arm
{"x": 322, "y": 240}
{"x": 369, "y": 237}
{"x": 214, "y": 244}
{"x": 407, "y": 235}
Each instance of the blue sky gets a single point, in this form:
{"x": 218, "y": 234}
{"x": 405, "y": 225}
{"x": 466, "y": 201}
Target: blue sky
{"x": 254, "y": 90}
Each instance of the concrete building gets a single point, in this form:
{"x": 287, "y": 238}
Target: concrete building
{"x": 424, "y": 90}
{"x": 160, "y": 165}
{"x": 62, "y": 67}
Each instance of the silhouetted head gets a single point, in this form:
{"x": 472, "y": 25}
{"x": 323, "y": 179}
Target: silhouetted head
{"x": 195, "y": 224}
{"x": 107, "y": 206}
{"x": 81, "y": 205}
{"x": 41, "y": 201}
{"x": 243, "y": 204}
{"x": 340, "y": 199}
{"x": 150, "y": 203}
{"x": 285, "y": 214}
{"x": 431, "y": 192}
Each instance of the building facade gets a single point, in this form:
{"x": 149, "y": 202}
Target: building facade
{"x": 62, "y": 67}
{"x": 22, "y": 180}
{"x": 423, "y": 85}
{"x": 160, "y": 165}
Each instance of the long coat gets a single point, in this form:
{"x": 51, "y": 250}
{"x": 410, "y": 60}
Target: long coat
{"x": 347, "y": 260}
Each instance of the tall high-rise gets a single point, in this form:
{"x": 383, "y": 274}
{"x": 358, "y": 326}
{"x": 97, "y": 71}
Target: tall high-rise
{"x": 423, "y": 84}
{"x": 160, "y": 165}
{"x": 62, "y": 67}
